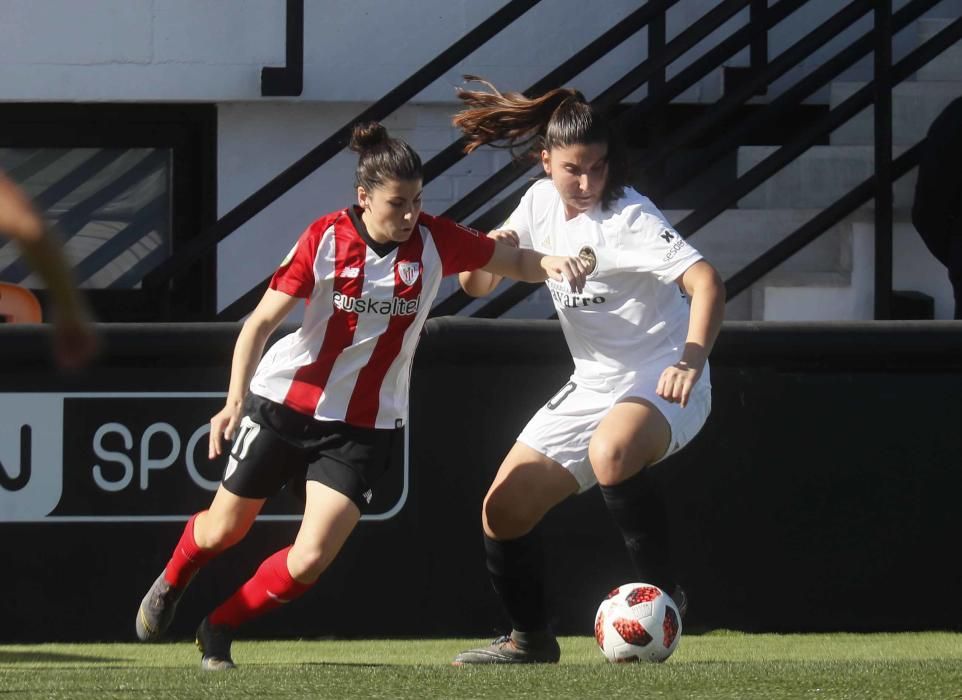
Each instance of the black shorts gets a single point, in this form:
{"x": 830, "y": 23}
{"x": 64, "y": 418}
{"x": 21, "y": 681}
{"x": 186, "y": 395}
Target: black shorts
{"x": 276, "y": 446}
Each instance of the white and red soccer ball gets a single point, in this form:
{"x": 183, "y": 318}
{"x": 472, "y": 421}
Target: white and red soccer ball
{"x": 637, "y": 622}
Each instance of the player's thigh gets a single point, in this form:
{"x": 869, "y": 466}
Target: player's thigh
{"x": 261, "y": 460}
{"x": 329, "y": 518}
{"x": 351, "y": 460}
{"x": 632, "y": 435}
{"x": 528, "y": 484}
{"x": 266, "y": 452}
{"x": 227, "y": 520}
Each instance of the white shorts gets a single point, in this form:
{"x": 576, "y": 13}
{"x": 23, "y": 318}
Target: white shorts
{"x": 563, "y": 427}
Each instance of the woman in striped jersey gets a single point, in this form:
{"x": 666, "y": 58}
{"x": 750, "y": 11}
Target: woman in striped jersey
{"x": 325, "y": 404}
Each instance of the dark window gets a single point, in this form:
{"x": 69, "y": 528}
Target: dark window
{"x": 124, "y": 185}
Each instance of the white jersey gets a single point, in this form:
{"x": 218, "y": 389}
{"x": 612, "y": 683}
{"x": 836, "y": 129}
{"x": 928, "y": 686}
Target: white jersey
{"x": 366, "y": 304}
{"x": 631, "y": 312}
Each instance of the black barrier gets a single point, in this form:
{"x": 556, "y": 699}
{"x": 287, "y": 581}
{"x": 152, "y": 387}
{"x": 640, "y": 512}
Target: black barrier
{"x": 821, "y": 495}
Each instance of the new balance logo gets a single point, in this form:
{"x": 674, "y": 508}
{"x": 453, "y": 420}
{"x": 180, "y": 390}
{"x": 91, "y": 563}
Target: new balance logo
{"x": 351, "y": 272}
{"x": 473, "y": 232}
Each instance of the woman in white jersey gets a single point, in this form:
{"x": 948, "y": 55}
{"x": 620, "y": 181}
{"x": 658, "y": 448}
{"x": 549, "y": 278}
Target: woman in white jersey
{"x": 640, "y": 389}
{"x": 325, "y": 404}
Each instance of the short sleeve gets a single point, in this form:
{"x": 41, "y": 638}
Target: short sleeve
{"x": 461, "y": 248}
{"x": 295, "y": 275}
{"x": 649, "y": 244}
{"x": 520, "y": 220}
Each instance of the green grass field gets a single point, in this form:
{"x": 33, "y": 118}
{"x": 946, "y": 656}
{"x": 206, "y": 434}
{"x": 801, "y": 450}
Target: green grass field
{"x": 719, "y": 665}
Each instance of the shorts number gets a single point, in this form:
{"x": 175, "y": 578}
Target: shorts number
{"x": 565, "y": 392}
{"x": 245, "y": 436}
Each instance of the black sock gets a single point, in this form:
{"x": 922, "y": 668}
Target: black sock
{"x": 517, "y": 572}
{"x": 638, "y": 509}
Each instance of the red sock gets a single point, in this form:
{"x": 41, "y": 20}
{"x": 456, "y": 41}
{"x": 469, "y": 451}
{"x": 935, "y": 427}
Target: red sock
{"x": 269, "y": 588}
{"x": 187, "y": 557}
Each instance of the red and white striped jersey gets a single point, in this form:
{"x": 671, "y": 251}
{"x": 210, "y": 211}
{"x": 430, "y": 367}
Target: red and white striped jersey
{"x": 366, "y": 304}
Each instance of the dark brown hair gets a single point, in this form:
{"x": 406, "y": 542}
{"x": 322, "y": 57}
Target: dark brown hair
{"x": 381, "y": 157}
{"x": 557, "y": 119}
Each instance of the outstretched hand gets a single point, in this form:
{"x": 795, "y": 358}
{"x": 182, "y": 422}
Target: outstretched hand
{"x": 506, "y": 236}
{"x": 574, "y": 271}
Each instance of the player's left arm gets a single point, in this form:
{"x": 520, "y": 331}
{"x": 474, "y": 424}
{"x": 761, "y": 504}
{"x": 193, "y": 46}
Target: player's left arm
{"x": 531, "y": 266}
{"x": 479, "y": 283}
{"x": 464, "y": 249}
{"x": 703, "y": 285}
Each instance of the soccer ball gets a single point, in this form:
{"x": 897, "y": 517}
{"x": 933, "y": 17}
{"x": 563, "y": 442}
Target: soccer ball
{"x": 637, "y": 622}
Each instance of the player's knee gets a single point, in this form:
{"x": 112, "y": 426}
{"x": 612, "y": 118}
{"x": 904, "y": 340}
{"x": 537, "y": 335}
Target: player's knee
{"x": 610, "y": 461}
{"x": 218, "y": 534}
{"x": 506, "y": 516}
{"x": 306, "y": 564}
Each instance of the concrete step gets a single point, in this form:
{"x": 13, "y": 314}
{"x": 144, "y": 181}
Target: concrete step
{"x": 819, "y": 177}
{"x": 914, "y": 106}
{"x": 914, "y": 269}
{"x": 738, "y": 236}
{"x": 948, "y": 64}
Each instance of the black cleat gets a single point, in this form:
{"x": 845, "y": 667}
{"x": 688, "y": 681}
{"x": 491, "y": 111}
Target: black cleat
{"x": 214, "y": 643}
{"x": 157, "y": 610}
{"x": 514, "y": 648}
{"x": 680, "y": 599}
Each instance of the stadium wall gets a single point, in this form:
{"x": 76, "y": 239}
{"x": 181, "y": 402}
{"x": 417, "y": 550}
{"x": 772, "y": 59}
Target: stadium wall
{"x": 212, "y": 51}
{"x": 821, "y": 495}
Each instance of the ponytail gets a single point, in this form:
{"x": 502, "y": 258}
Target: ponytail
{"x": 560, "y": 118}
{"x": 507, "y": 120}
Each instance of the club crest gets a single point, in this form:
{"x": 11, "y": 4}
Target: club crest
{"x": 409, "y": 272}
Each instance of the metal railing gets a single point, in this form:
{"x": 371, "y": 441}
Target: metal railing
{"x": 454, "y": 152}
{"x": 661, "y": 92}
{"x": 182, "y": 259}
{"x": 879, "y": 187}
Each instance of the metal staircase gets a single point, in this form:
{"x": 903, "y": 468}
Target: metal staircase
{"x": 786, "y": 216}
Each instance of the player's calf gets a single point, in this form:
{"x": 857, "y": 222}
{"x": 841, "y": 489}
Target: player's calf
{"x": 680, "y": 598}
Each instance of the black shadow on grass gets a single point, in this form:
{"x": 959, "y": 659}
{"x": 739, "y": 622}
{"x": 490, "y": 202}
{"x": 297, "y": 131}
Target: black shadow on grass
{"x": 7, "y": 657}
{"x": 328, "y": 664}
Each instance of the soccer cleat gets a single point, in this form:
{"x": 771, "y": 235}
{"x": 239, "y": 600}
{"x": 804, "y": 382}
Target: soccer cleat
{"x": 680, "y": 599}
{"x": 514, "y": 648}
{"x": 157, "y": 610}
{"x": 214, "y": 644}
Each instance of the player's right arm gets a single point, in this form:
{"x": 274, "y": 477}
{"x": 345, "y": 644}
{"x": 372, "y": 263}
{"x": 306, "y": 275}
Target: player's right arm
{"x": 272, "y": 309}
{"x": 75, "y": 340}
{"x": 478, "y": 283}
{"x": 18, "y": 219}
